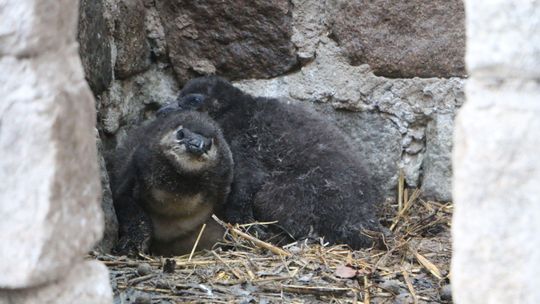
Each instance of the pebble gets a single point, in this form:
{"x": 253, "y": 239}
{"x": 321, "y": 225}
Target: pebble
{"x": 403, "y": 298}
{"x": 144, "y": 269}
{"x": 392, "y": 286}
{"x": 169, "y": 266}
{"x": 446, "y": 293}
{"x": 143, "y": 300}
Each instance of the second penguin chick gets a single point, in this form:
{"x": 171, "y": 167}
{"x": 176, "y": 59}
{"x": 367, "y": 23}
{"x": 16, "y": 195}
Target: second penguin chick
{"x": 292, "y": 165}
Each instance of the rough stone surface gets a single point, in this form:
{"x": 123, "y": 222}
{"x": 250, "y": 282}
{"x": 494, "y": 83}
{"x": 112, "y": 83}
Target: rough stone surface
{"x": 374, "y": 135}
{"x": 86, "y": 283}
{"x": 50, "y": 188}
{"x": 156, "y": 34}
{"x": 496, "y": 176}
{"x": 31, "y": 27}
{"x": 310, "y": 20}
{"x": 237, "y": 39}
{"x": 130, "y": 102}
{"x": 110, "y": 234}
{"x": 406, "y": 104}
{"x": 437, "y": 179}
{"x": 492, "y": 50}
{"x": 95, "y": 44}
{"x": 132, "y": 49}
{"x": 403, "y": 38}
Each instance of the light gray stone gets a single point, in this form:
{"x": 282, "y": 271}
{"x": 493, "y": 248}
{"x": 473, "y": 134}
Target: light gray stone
{"x": 156, "y": 34}
{"x": 85, "y": 283}
{"x": 503, "y": 39}
{"x": 309, "y": 25}
{"x": 437, "y": 165}
{"x": 130, "y": 102}
{"x": 496, "y": 193}
{"x": 496, "y": 161}
{"x": 50, "y": 189}
{"x": 31, "y": 27}
{"x": 373, "y": 135}
{"x": 412, "y": 168}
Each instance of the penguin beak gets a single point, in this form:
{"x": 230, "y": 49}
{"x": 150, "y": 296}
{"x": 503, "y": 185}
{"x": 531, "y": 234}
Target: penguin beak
{"x": 166, "y": 109}
{"x": 198, "y": 145}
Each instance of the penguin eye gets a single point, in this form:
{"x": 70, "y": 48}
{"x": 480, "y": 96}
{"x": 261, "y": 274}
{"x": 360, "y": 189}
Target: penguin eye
{"x": 197, "y": 100}
{"x": 180, "y": 134}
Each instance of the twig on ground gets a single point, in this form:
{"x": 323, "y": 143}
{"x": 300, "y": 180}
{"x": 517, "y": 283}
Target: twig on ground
{"x": 196, "y": 242}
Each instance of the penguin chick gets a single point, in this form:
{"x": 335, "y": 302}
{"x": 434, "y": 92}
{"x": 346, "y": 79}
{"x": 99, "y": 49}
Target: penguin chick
{"x": 175, "y": 171}
{"x": 291, "y": 165}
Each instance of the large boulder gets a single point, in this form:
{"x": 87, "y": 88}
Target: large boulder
{"x": 28, "y": 28}
{"x": 50, "y": 189}
{"x": 495, "y": 228}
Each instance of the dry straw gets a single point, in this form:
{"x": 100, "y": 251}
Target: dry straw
{"x": 411, "y": 263}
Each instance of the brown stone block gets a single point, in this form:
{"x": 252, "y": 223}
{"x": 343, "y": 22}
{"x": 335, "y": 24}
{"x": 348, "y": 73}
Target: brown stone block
{"x": 236, "y": 39}
{"x": 403, "y": 39}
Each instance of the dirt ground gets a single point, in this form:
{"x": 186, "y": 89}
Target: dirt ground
{"x": 412, "y": 267}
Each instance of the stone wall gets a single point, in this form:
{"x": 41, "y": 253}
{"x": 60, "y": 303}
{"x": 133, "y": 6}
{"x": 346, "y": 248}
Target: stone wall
{"x": 496, "y": 159}
{"x": 390, "y": 73}
{"x": 50, "y": 191}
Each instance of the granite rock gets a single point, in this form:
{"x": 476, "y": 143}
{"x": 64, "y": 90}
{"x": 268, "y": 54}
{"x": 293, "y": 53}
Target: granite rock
{"x": 403, "y": 38}
{"x": 236, "y": 39}
{"x": 94, "y": 38}
{"x": 132, "y": 49}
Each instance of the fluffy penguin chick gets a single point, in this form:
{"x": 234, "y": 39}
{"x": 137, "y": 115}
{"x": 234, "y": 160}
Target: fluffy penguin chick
{"x": 291, "y": 165}
{"x": 176, "y": 171}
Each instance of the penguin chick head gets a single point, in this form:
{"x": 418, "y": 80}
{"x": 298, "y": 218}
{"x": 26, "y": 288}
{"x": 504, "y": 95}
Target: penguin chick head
{"x": 210, "y": 94}
{"x": 189, "y": 102}
{"x": 191, "y": 142}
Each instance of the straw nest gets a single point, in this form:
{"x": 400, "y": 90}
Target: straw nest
{"x": 412, "y": 267}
